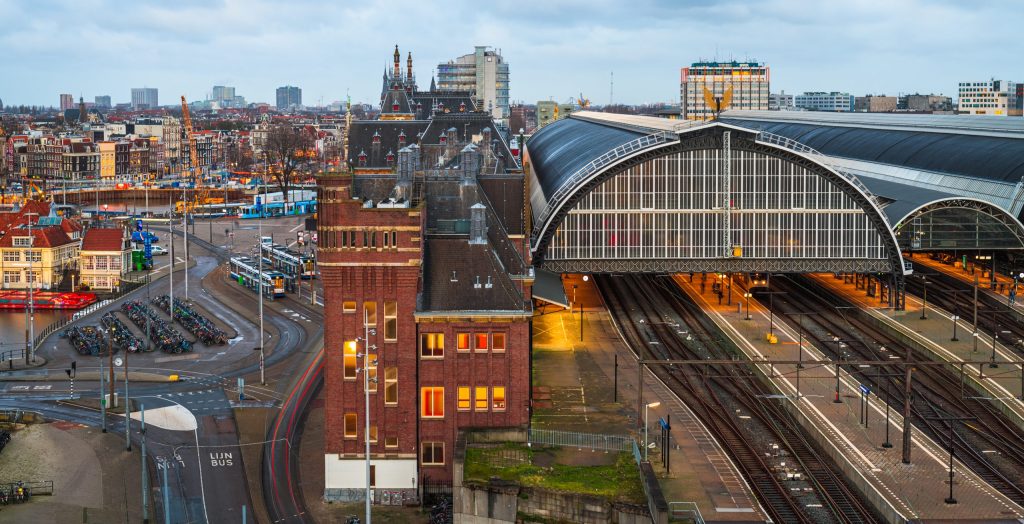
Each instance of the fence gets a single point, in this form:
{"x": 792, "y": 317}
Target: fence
{"x": 572, "y": 439}
{"x": 434, "y": 491}
{"x": 41, "y": 487}
{"x": 684, "y": 511}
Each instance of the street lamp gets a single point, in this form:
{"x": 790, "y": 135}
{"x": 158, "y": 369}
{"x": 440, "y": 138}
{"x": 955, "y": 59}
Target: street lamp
{"x": 647, "y": 406}
{"x": 586, "y": 278}
{"x": 924, "y": 299}
{"x": 30, "y": 333}
{"x": 747, "y": 296}
{"x": 838, "y": 353}
{"x": 366, "y": 393}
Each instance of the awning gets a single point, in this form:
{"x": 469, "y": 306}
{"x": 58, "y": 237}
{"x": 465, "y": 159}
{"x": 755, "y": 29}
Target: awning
{"x": 547, "y": 286}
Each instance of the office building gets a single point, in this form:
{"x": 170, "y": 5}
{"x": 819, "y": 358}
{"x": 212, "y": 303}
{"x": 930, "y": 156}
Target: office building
{"x": 748, "y": 81}
{"x": 66, "y": 102}
{"x": 925, "y": 103}
{"x": 485, "y": 73}
{"x": 548, "y": 111}
{"x": 144, "y": 98}
{"x": 102, "y": 102}
{"x": 289, "y": 97}
{"x": 993, "y": 97}
{"x": 780, "y": 101}
{"x": 222, "y": 94}
{"x": 874, "y": 104}
{"x": 821, "y": 101}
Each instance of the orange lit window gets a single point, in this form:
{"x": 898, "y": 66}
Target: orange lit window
{"x": 391, "y": 386}
{"x": 348, "y": 306}
{"x": 350, "y": 360}
{"x": 432, "y": 345}
{"x": 464, "y": 398}
{"x": 498, "y": 398}
{"x": 481, "y": 342}
{"x": 498, "y": 342}
{"x": 462, "y": 340}
{"x": 351, "y": 425}
{"x": 481, "y": 398}
{"x": 432, "y": 402}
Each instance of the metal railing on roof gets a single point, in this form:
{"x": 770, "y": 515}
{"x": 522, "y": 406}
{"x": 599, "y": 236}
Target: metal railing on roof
{"x": 793, "y": 145}
{"x": 581, "y": 174}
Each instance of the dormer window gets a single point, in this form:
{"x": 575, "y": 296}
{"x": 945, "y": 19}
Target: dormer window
{"x": 395, "y": 107}
{"x": 444, "y": 138}
{"x": 22, "y": 241}
{"x": 376, "y": 137}
{"x": 401, "y": 139}
{"x": 362, "y": 158}
{"x": 390, "y": 158}
{"x": 462, "y": 107}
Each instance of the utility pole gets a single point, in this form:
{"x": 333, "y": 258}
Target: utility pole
{"x": 145, "y": 474}
{"x": 127, "y": 407}
{"x": 103, "y": 401}
{"x": 170, "y": 244}
{"x": 30, "y": 346}
{"x": 259, "y": 258}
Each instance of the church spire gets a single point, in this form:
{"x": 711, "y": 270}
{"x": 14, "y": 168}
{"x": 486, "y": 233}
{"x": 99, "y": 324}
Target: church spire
{"x": 408, "y": 63}
{"x": 398, "y": 60}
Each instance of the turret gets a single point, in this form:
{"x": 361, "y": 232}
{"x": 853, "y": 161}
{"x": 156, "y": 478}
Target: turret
{"x": 398, "y": 58}
{"x": 408, "y": 64}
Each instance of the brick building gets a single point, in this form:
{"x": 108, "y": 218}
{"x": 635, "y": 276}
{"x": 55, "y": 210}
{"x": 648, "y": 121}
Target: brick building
{"x": 423, "y": 261}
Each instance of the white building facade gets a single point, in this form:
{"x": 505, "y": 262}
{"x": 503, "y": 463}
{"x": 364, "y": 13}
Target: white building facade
{"x": 485, "y": 73}
{"x": 821, "y": 101}
{"x": 748, "y": 80}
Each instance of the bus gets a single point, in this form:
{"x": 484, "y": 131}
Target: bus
{"x": 290, "y": 262}
{"x": 244, "y": 270}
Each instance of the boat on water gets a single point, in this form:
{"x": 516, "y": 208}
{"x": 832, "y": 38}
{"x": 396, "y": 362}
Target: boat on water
{"x": 18, "y": 299}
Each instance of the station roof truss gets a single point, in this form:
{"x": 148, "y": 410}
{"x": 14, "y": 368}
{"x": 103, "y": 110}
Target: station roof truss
{"x": 961, "y": 224}
{"x": 613, "y": 193}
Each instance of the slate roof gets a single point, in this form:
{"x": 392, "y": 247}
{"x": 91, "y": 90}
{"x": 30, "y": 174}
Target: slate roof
{"x": 361, "y": 140}
{"x": 471, "y": 264}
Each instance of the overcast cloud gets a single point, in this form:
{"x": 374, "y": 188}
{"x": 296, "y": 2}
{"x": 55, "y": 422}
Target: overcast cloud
{"x": 555, "y": 48}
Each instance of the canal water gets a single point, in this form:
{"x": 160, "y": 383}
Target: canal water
{"x": 13, "y": 322}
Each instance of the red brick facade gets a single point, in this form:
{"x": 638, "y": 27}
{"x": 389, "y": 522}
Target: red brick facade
{"x": 385, "y": 273}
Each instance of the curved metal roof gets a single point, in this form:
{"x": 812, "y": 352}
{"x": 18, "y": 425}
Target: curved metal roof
{"x": 984, "y": 157}
{"x": 563, "y": 147}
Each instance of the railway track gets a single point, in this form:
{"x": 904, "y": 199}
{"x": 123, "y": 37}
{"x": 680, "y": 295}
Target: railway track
{"x": 661, "y": 322}
{"x": 993, "y": 314}
{"x": 939, "y": 393}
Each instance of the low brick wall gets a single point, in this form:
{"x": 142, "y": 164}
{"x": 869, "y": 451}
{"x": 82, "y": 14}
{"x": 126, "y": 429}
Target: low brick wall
{"x": 508, "y": 504}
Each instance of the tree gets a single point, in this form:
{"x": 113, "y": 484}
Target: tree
{"x": 285, "y": 147}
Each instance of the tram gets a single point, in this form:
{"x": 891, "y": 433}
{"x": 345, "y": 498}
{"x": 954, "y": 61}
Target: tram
{"x": 291, "y": 263}
{"x": 244, "y": 270}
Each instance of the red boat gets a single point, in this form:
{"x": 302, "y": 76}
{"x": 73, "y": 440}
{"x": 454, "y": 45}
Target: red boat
{"x": 17, "y": 299}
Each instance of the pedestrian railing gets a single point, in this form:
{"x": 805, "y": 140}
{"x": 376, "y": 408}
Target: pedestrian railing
{"x": 572, "y": 439}
{"x": 684, "y": 511}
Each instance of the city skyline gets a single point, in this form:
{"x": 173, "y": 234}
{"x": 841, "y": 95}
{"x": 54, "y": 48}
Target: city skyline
{"x": 555, "y": 50}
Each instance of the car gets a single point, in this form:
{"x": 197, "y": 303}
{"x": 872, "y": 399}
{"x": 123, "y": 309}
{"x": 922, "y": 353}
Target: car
{"x": 157, "y": 250}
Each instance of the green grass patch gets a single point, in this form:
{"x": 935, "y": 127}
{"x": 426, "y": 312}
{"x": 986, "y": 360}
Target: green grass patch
{"x": 618, "y": 481}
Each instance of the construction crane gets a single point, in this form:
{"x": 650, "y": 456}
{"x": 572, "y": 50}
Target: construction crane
{"x": 200, "y": 191}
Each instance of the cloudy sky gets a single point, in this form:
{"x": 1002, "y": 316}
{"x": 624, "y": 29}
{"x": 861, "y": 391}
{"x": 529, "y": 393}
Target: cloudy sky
{"x": 555, "y": 48}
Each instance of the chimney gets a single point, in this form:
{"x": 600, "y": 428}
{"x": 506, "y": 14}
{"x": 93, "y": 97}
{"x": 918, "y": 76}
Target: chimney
{"x": 477, "y": 224}
{"x": 405, "y": 165}
{"x": 486, "y": 145}
{"x": 469, "y": 160}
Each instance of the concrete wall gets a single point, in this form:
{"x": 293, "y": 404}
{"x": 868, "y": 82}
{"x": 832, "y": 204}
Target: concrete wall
{"x": 504, "y": 504}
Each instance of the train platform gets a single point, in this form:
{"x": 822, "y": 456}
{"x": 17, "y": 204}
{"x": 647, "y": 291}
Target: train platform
{"x": 914, "y": 492}
{"x": 998, "y": 287}
{"x": 574, "y": 384}
{"x": 1002, "y": 384}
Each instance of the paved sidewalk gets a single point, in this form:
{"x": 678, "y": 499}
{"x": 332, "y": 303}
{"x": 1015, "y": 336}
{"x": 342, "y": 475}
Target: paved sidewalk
{"x": 917, "y": 490}
{"x": 574, "y": 390}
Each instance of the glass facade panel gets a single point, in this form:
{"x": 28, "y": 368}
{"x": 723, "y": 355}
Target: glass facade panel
{"x": 957, "y": 228}
{"x": 672, "y": 207}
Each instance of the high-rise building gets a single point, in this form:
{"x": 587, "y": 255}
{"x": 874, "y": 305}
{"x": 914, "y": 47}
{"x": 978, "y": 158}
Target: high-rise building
{"x": 780, "y": 101}
{"x": 748, "y": 80}
{"x": 289, "y": 97}
{"x": 993, "y": 97}
{"x": 875, "y": 104}
{"x": 144, "y": 98}
{"x": 821, "y": 101}
{"x": 102, "y": 102}
{"x": 222, "y": 93}
{"x": 66, "y": 102}
{"x": 485, "y": 73}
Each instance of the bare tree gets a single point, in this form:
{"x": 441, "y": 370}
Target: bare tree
{"x": 285, "y": 147}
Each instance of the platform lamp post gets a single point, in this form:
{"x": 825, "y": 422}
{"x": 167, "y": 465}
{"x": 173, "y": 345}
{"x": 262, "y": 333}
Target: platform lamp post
{"x": 924, "y": 297}
{"x": 367, "y": 360}
{"x": 839, "y": 344}
{"x": 30, "y": 329}
{"x": 586, "y": 278}
{"x": 647, "y": 406}
{"x": 746, "y": 298}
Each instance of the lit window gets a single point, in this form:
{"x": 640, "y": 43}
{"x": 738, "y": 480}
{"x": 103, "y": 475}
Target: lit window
{"x": 390, "y": 321}
{"x": 481, "y": 342}
{"x": 481, "y": 398}
{"x": 371, "y": 374}
{"x": 498, "y": 398}
{"x": 350, "y": 360}
{"x": 349, "y": 306}
{"x": 391, "y": 386}
{"x": 370, "y": 313}
{"x": 498, "y": 341}
{"x": 373, "y": 433}
{"x": 432, "y": 453}
{"x": 432, "y": 345}
{"x": 462, "y": 341}
{"x": 351, "y": 425}
{"x": 432, "y": 402}
{"x": 463, "y": 398}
